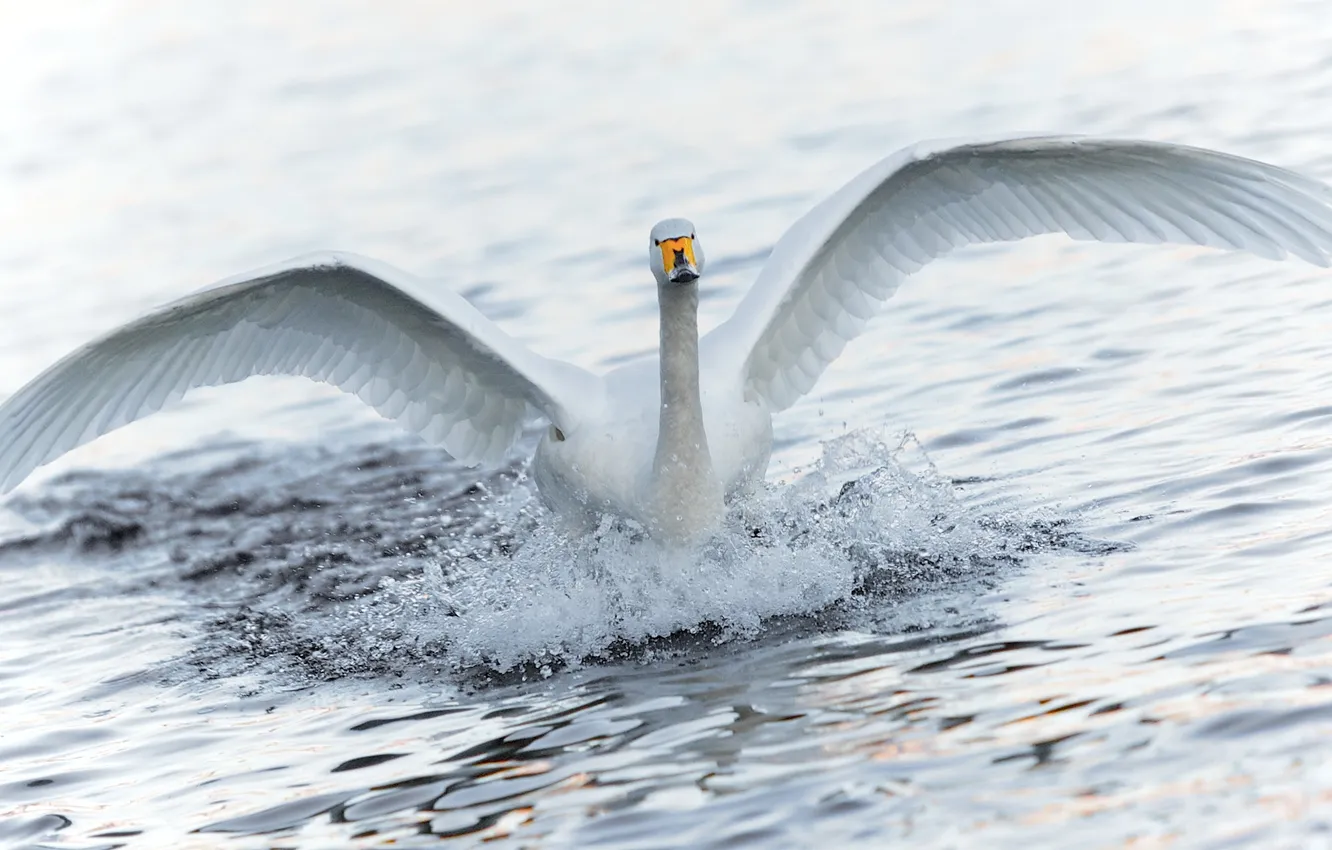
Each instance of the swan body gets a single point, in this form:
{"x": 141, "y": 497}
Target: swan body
{"x": 667, "y": 439}
{"x": 617, "y": 452}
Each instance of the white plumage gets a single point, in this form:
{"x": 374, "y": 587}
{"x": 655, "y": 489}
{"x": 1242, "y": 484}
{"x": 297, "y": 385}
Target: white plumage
{"x": 427, "y": 358}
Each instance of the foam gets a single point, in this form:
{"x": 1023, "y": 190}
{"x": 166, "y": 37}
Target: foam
{"x": 871, "y": 513}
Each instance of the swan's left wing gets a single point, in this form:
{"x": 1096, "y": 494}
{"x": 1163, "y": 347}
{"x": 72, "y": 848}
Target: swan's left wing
{"x": 830, "y": 273}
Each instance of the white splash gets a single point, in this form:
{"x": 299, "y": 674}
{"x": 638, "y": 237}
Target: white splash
{"x": 868, "y": 506}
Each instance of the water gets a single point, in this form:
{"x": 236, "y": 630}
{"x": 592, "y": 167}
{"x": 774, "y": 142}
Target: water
{"x": 1042, "y": 561}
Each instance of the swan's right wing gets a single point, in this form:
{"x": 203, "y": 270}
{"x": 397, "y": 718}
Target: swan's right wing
{"x": 834, "y": 268}
{"x": 420, "y": 355}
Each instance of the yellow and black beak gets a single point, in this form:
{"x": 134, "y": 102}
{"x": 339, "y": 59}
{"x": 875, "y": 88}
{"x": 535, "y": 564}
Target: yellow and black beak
{"x": 677, "y": 258}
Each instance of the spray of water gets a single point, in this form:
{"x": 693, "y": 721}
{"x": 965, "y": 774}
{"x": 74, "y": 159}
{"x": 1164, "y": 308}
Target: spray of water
{"x": 873, "y": 518}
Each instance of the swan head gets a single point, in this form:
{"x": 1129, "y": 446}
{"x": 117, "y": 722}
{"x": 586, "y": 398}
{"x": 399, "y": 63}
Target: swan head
{"x": 674, "y": 254}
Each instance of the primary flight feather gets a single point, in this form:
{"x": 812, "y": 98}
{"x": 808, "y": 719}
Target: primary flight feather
{"x": 661, "y": 440}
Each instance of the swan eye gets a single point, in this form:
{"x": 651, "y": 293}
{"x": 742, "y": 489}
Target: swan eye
{"x": 656, "y": 242}
{"x": 556, "y": 434}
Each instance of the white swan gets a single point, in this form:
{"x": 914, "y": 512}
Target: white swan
{"x": 662, "y": 440}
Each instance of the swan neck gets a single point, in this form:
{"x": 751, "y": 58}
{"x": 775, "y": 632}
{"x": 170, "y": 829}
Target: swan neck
{"x": 681, "y": 437}
{"x": 685, "y": 481}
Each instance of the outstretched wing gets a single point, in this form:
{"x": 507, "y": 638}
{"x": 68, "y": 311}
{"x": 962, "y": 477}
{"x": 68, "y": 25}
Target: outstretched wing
{"x": 424, "y": 357}
{"x": 830, "y": 273}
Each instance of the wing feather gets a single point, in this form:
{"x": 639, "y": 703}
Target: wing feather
{"x": 426, "y": 358}
{"x": 832, "y": 271}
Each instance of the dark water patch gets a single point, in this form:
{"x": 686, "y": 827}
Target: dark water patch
{"x": 408, "y": 794}
{"x": 1113, "y": 354}
{"x": 1239, "y": 512}
{"x": 1024, "y": 423}
{"x": 1038, "y": 379}
{"x": 26, "y": 829}
{"x": 969, "y": 656}
{"x": 361, "y": 762}
{"x": 367, "y": 725}
{"x": 1242, "y": 724}
{"x": 1309, "y": 415}
{"x": 280, "y": 817}
{"x": 40, "y": 787}
{"x": 55, "y": 741}
{"x": 370, "y": 511}
{"x": 1257, "y": 638}
{"x": 93, "y": 530}
{"x": 961, "y": 438}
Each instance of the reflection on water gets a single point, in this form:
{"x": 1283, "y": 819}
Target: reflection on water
{"x": 1086, "y": 607}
